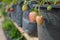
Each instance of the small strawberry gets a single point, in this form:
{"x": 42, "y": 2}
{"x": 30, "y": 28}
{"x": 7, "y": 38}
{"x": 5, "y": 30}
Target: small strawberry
{"x": 11, "y": 10}
{"x": 24, "y": 8}
{"x": 49, "y": 7}
{"x": 39, "y": 20}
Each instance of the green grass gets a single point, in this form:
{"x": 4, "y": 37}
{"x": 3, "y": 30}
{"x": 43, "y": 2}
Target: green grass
{"x": 12, "y": 31}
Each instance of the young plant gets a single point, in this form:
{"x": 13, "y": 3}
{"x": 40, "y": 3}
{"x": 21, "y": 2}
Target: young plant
{"x": 40, "y": 18}
{"x": 7, "y": 24}
{"x": 4, "y": 13}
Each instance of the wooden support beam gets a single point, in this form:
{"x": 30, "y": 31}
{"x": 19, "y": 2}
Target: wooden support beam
{"x": 25, "y": 34}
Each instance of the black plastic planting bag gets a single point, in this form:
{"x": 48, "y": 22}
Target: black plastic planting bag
{"x": 19, "y": 14}
{"x": 13, "y": 14}
{"x": 26, "y": 14}
{"x": 51, "y": 27}
{"x": 30, "y": 28}
{"x": 43, "y": 33}
{"x": 9, "y": 14}
{"x": 32, "y": 4}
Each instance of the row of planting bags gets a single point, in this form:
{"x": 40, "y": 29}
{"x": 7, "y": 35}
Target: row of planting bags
{"x": 49, "y": 28}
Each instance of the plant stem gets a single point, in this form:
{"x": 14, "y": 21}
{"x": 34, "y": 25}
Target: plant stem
{"x": 39, "y": 5}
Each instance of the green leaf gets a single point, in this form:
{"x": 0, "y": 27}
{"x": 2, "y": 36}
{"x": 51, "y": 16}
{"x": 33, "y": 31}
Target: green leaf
{"x": 6, "y": 1}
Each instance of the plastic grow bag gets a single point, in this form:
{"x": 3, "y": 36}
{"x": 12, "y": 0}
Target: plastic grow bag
{"x": 27, "y": 25}
{"x": 9, "y": 14}
{"x": 51, "y": 28}
{"x": 19, "y": 14}
{"x": 32, "y": 4}
{"x": 26, "y": 14}
{"x": 30, "y": 28}
{"x": 13, "y": 14}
